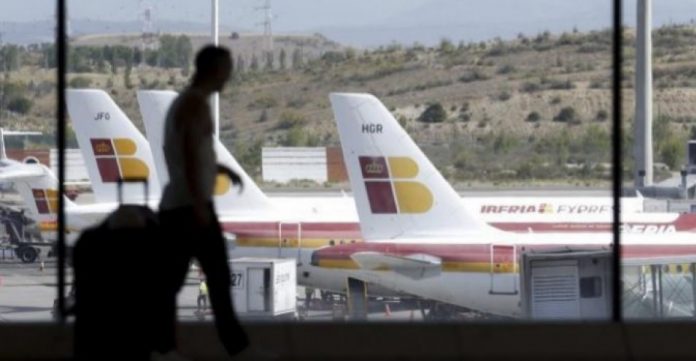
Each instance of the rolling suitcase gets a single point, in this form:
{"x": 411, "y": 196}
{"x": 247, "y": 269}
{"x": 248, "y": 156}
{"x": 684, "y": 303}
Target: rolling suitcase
{"x": 116, "y": 288}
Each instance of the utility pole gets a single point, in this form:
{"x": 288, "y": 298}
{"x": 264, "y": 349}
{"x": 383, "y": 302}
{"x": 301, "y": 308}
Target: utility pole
{"x": 267, "y": 26}
{"x": 643, "y": 111}
{"x": 2, "y": 81}
{"x": 146, "y": 30}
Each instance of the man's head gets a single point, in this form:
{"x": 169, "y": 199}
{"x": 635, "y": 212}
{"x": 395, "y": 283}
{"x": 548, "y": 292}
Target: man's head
{"x": 213, "y": 67}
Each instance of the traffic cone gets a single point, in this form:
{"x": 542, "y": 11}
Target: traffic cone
{"x": 387, "y": 310}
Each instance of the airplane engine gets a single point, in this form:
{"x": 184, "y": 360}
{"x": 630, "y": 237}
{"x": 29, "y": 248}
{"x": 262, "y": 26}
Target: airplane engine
{"x": 31, "y": 160}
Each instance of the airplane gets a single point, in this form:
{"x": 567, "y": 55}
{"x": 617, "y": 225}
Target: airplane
{"x": 107, "y": 159}
{"x": 113, "y": 147}
{"x": 518, "y": 214}
{"x": 260, "y": 228}
{"x": 421, "y": 240}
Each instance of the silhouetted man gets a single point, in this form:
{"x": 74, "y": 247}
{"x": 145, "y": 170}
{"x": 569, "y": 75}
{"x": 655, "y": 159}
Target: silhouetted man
{"x": 187, "y": 215}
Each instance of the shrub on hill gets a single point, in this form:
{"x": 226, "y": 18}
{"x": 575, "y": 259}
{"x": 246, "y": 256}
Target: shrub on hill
{"x": 474, "y": 75}
{"x": 20, "y": 105}
{"x": 434, "y": 113}
{"x": 602, "y": 115}
{"x": 289, "y": 119}
{"x": 80, "y": 82}
{"x": 566, "y": 115}
{"x": 533, "y": 117}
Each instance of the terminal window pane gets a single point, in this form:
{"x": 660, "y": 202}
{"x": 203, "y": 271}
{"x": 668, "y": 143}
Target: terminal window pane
{"x": 527, "y": 103}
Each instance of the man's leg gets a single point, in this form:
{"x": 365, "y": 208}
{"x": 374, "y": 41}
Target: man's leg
{"x": 173, "y": 263}
{"x": 211, "y": 252}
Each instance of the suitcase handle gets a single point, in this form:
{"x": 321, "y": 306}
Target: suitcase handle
{"x": 143, "y": 180}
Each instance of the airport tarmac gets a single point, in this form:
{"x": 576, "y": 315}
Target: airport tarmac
{"x": 27, "y": 294}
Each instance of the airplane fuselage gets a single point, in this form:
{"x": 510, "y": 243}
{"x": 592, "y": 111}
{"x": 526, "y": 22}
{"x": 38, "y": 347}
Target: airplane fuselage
{"x": 483, "y": 275}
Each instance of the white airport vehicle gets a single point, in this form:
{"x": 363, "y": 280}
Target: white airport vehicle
{"x": 264, "y": 288}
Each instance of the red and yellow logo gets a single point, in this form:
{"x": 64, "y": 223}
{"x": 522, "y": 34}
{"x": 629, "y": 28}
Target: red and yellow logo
{"x": 390, "y": 188}
{"x": 116, "y": 159}
{"x": 46, "y": 200}
{"x": 222, "y": 184}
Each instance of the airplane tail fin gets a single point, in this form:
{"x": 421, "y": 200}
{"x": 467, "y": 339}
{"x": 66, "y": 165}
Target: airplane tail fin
{"x": 154, "y": 105}
{"x": 111, "y": 145}
{"x": 40, "y": 193}
{"x": 398, "y": 191}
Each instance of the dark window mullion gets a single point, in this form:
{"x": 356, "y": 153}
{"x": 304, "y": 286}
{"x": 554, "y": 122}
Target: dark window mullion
{"x": 617, "y": 170}
{"x": 61, "y": 51}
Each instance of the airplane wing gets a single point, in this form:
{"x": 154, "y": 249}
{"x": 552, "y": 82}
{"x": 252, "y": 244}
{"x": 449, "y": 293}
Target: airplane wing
{"x": 20, "y": 132}
{"x": 13, "y": 173}
{"x": 415, "y": 266}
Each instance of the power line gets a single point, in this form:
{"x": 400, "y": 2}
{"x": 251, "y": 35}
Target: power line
{"x": 267, "y": 25}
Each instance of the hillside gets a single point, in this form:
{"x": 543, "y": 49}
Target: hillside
{"x": 532, "y": 109}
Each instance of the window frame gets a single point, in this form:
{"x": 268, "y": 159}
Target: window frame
{"x": 617, "y": 164}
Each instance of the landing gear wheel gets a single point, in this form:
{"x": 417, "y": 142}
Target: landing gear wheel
{"x": 27, "y": 254}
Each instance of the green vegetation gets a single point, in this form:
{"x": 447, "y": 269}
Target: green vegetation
{"x": 479, "y": 110}
{"x": 669, "y": 146}
{"x": 566, "y": 115}
{"x": 80, "y": 82}
{"x": 19, "y": 105}
{"x": 533, "y": 117}
{"x": 290, "y": 120}
{"x": 602, "y": 115}
{"x": 434, "y": 113}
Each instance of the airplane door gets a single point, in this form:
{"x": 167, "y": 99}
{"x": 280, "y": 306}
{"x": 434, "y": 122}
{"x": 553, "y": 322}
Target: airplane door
{"x": 289, "y": 240}
{"x": 504, "y": 276}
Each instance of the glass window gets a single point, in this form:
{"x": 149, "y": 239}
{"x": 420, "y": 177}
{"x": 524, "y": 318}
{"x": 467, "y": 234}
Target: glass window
{"x": 657, "y": 156}
{"x": 510, "y": 104}
{"x": 28, "y": 196}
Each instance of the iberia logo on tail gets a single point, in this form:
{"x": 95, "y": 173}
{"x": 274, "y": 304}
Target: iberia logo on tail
{"x": 46, "y": 200}
{"x": 391, "y": 188}
{"x": 116, "y": 159}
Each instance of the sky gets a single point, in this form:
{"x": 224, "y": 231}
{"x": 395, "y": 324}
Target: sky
{"x": 288, "y": 14}
{"x": 361, "y": 22}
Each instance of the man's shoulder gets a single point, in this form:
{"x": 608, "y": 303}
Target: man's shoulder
{"x": 190, "y": 105}
{"x": 192, "y": 98}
